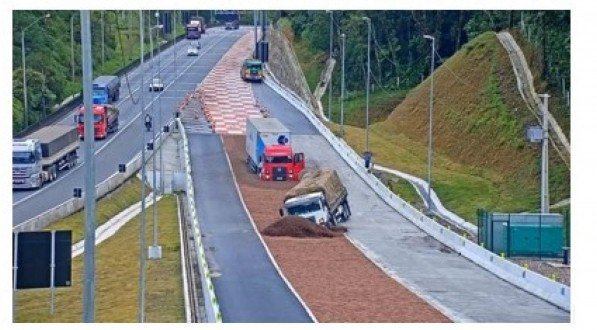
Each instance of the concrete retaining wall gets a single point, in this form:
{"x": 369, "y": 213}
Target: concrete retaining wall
{"x": 284, "y": 64}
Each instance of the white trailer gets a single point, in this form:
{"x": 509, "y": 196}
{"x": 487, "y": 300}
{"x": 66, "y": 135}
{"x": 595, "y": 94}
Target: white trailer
{"x": 262, "y": 132}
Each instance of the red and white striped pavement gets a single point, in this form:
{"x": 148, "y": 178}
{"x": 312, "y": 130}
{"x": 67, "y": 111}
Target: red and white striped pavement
{"x": 226, "y": 99}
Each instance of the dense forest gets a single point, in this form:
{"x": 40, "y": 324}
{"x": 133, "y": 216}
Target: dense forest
{"x": 399, "y": 56}
{"x": 399, "y": 53}
{"x": 53, "y": 68}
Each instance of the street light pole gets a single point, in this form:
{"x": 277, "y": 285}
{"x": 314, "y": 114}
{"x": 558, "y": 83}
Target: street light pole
{"x": 141, "y": 311}
{"x": 332, "y": 72}
{"x": 25, "y": 101}
{"x": 343, "y": 39}
{"x": 89, "y": 262}
{"x": 368, "y": 78}
{"x": 544, "y": 156}
{"x": 429, "y": 147}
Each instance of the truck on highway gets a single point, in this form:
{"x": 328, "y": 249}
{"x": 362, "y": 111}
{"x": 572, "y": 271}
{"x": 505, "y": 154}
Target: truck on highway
{"x": 193, "y": 29}
{"x": 201, "y": 21}
{"x": 106, "y": 89}
{"x": 269, "y": 152}
{"x": 105, "y": 120}
{"x": 252, "y": 70}
{"x": 319, "y": 197}
{"x": 38, "y": 157}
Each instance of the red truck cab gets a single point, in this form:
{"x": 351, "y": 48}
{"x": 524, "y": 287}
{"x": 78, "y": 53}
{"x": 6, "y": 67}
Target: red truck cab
{"x": 105, "y": 120}
{"x": 280, "y": 164}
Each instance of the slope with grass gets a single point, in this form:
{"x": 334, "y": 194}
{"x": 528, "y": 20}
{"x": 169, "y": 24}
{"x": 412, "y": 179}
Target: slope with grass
{"x": 117, "y": 269}
{"x": 481, "y": 157}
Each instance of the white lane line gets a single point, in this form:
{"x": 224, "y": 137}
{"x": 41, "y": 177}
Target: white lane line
{"x": 120, "y": 131}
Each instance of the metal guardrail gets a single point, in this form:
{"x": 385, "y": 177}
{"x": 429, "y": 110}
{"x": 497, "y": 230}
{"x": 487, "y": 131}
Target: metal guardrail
{"x": 547, "y": 289}
{"x": 211, "y": 302}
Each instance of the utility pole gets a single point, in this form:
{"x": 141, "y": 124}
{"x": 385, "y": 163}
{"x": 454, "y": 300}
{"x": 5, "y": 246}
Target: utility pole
{"x": 544, "y": 156}
{"x": 174, "y": 41}
{"x": 343, "y": 39}
{"x": 332, "y": 72}
{"x": 103, "y": 39}
{"x": 89, "y": 274}
{"x": 255, "y": 32}
{"x": 25, "y": 101}
{"x": 141, "y": 39}
{"x": 142, "y": 249}
{"x": 72, "y": 46}
{"x": 367, "y": 86}
{"x": 130, "y": 34}
{"x": 430, "y": 137}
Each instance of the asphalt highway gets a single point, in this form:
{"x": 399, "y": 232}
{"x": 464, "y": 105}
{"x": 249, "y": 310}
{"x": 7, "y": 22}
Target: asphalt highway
{"x": 180, "y": 73}
{"x": 247, "y": 285}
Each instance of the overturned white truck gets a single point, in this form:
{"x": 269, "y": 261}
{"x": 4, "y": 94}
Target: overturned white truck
{"x": 319, "y": 197}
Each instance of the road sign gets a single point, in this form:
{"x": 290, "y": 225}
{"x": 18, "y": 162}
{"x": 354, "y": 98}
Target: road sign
{"x": 34, "y": 259}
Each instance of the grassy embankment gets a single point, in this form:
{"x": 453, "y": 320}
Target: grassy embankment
{"x": 481, "y": 159}
{"x": 117, "y": 269}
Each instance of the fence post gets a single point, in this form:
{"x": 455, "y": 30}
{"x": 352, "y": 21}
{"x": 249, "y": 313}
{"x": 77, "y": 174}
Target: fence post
{"x": 540, "y": 222}
{"x": 508, "y": 238}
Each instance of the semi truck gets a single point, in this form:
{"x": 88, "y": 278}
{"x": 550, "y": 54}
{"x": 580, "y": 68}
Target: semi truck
{"x": 199, "y": 20}
{"x": 319, "y": 197}
{"x": 38, "y": 157}
{"x": 106, "y": 89}
{"x": 269, "y": 152}
{"x": 105, "y": 120}
{"x": 193, "y": 29}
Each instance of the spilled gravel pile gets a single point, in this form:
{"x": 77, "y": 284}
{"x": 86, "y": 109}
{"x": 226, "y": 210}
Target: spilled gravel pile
{"x": 295, "y": 226}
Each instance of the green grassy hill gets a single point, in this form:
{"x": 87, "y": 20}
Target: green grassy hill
{"x": 481, "y": 157}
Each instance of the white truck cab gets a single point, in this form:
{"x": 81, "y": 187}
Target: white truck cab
{"x": 311, "y": 206}
{"x": 26, "y": 164}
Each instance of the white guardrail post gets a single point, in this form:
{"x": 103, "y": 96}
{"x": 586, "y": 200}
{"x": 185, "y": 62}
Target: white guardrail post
{"x": 211, "y": 302}
{"x": 552, "y": 291}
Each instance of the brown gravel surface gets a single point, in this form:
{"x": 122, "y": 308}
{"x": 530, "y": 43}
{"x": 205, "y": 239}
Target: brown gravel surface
{"x": 336, "y": 281}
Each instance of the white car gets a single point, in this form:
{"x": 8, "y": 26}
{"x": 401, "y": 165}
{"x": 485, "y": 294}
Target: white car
{"x": 156, "y": 84}
{"x": 192, "y": 51}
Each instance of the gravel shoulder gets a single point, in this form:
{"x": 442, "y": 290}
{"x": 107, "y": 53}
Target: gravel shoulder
{"x": 336, "y": 281}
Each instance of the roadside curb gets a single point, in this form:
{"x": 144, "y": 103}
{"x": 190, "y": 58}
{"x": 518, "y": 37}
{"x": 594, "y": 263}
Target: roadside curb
{"x": 214, "y": 315}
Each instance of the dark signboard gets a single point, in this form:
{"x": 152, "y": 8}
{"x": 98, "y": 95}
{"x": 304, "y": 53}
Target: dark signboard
{"x": 34, "y": 259}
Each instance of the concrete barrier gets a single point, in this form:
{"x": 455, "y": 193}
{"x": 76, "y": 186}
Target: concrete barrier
{"x": 212, "y": 307}
{"x": 547, "y": 289}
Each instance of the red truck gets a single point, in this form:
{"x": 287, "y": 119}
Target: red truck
{"x": 280, "y": 164}
{"x": 105, "y": 118}
{"x": 269, "y": 151}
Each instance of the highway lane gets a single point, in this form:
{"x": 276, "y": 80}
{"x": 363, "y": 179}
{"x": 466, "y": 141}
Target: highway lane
{"x": 171, "y": 61}
{"x": 451, "y": 281}
{"x": 126, "y": 143}
{"x": 246, "y": 283}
